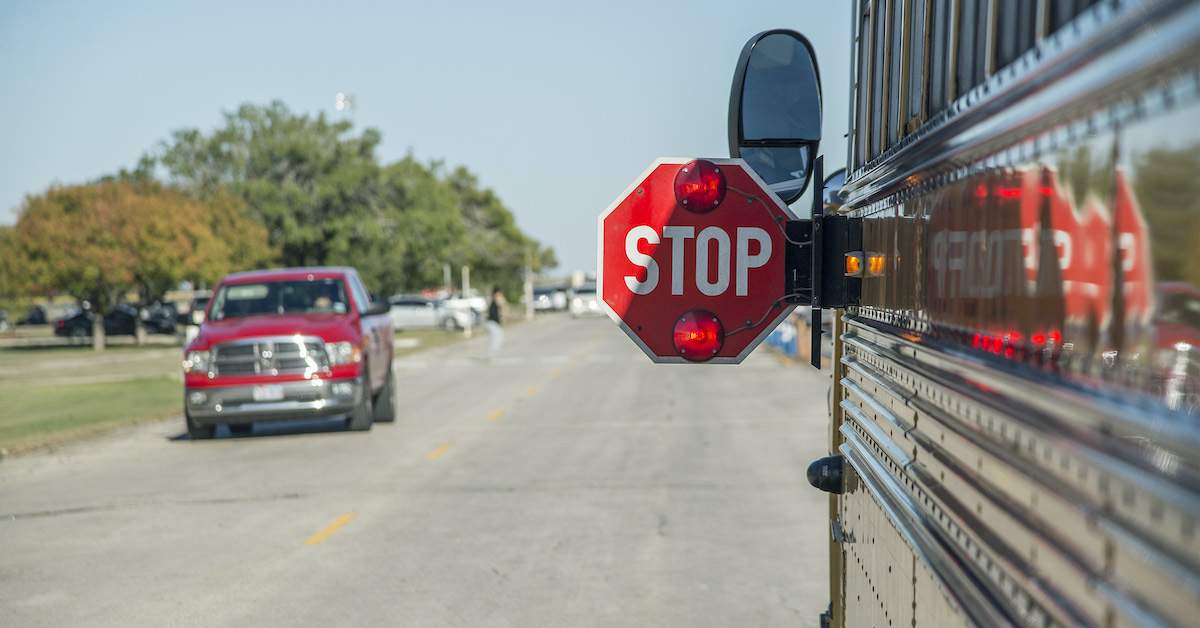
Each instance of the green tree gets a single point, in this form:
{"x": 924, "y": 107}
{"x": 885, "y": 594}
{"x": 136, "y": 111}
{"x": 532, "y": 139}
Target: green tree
{"x": 101, "y": 241}
{"x": 305, "y": 179}
{"x": 324, "y": 199}
{"x": 426, "y": 229}
{"x": 496, "y": 249}
{"x": 10, "y": 280}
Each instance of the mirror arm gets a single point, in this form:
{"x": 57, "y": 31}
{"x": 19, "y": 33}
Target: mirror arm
{"x": 818, "y": 214}
{"x": 780, "y": 143}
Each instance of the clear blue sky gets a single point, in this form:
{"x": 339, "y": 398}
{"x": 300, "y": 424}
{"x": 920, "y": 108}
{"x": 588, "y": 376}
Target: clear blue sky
{"x": 556, "y": 106}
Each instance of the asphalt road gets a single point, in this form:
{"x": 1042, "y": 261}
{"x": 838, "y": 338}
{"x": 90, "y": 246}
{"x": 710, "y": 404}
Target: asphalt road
{"x": 568, "y": 483}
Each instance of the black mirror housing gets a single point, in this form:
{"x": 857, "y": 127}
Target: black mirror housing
{"x": 775, "y": 110}
{"x": 833, "y": 191}
{"x": 378, "y": 307}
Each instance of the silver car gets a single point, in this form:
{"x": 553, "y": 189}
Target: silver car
{"x": 417, "y": 312}
{"x": 549, "y": 299}
{"x": 584, "y": 301}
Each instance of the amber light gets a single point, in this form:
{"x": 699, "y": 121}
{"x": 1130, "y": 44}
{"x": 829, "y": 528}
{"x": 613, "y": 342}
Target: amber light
{"x": 854, "y": 264}
{"x": 860, "y": 264}
{"x": 875, "y": 264}
{"x": 698, "y": 335}
{"x": 699, "y": 186}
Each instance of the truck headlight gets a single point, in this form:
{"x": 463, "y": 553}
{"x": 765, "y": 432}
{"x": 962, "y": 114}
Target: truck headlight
{"x": 344, "y": 352}
{"x": 196, "y": 362}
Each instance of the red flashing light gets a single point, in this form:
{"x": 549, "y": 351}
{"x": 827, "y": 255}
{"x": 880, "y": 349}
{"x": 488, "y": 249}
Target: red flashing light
{"x": 699, "y": 186}
{"x": 698, "y": 335}
{"x": 1012, "y": 345}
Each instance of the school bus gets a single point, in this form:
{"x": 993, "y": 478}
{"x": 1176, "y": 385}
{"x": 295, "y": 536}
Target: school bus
{"x": 1015, "y": 415}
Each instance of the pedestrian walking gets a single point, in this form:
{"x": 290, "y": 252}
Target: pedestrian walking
{"x": 495, "y": 314}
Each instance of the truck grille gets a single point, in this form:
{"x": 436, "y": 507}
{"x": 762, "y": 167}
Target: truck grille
{"x": 269, "y": 356}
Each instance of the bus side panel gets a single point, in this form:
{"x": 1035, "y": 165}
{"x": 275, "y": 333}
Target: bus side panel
{"x": 878, "y": 566}
{"x": 1017, "y": 395}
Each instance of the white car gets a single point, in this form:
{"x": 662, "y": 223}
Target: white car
{"x": 584, "y": 301}
{"x": 550, "y": 298}
{"x": 474, "y": 307}
{"x": 417, "y": 312}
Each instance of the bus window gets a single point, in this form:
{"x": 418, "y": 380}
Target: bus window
{"x": 939, "y": 57}
{"x": 916, "y": 67}
{"x": 862, "y": 153}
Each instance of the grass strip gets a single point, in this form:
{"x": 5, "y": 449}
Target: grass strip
{"x": 36, "y": 416}
{"x": 51, "y": 396}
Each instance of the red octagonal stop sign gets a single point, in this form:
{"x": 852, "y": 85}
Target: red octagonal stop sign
{"x": 692, "y": 260}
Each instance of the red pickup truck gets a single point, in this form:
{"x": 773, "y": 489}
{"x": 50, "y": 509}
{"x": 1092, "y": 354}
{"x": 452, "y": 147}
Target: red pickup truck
{"x": 287, "y": 344}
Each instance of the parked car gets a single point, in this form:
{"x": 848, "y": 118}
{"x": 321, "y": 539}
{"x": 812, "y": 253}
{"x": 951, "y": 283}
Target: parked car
{"x": 289, "y": 344}
{"x": 584, "y": 301}
{"x": 417, "y": 312}
{"x": 76, "y": 325}
{"x": 475, "y": 306}
{"x": 35, "y": 316}
{"x": 122, "y": 321}
{"x": 549, "y": 299}
{"x": 160, "y": 318}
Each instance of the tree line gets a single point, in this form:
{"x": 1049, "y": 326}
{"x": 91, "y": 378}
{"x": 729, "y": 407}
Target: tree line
{"x": 270, "y": 187}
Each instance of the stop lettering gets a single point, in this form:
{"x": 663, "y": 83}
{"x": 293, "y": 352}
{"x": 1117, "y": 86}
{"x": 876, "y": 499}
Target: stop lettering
{"x": 692, "y": 260}
{"x": 711, "y": 242}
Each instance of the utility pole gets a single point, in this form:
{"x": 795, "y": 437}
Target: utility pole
{"x": 466, "y": 287}
{"x": 528, "y": 285}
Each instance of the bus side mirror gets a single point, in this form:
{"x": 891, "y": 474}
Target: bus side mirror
{"x": 775, "y": 110}
{"x": 833, "y": 192}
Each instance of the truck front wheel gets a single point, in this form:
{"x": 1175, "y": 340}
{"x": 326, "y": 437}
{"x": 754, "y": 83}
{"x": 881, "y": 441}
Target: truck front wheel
{"x": 385, "y": 404}
{"x": 360, "y": 419}
{"x": 197, "y": 431}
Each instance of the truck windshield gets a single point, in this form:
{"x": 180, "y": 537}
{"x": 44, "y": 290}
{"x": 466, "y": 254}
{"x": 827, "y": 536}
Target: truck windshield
{"x": 280, "y": 297}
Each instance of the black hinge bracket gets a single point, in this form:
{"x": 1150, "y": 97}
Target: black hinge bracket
{"x": 815, "y": 261}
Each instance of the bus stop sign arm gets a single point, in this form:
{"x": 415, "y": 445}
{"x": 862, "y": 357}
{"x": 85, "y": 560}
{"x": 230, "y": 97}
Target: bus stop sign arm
{"x": 815, "y": 261}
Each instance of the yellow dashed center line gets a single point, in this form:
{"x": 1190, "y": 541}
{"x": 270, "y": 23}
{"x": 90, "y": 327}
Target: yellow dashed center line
{"x": 337, "y": 525}
{"x": 439, "y": 451}
{"x": 531, "y": 390}
{"x": 495, "y": 415}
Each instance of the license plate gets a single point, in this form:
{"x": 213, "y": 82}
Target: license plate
{"x": 269, "y": 392}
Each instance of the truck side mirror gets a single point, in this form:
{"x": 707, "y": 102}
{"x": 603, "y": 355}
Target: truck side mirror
{"x": 775, "y": 110}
